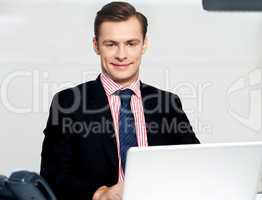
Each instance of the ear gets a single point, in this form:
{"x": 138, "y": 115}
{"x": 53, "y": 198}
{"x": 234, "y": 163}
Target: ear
{"x": 145, "y": 45}
{"x": 95, "y": 46}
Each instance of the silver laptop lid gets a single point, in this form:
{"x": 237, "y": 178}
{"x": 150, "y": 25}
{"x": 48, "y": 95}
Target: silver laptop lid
{"x": 199, "y": 172}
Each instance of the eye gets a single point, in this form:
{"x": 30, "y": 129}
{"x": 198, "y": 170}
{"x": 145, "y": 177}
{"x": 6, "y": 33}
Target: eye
{"x": 131, "y": 44}
{"x": 110, "y": 44}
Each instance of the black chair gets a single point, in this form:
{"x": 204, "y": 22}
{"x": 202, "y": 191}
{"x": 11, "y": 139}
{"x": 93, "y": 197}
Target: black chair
{"x": 24, "y": 185}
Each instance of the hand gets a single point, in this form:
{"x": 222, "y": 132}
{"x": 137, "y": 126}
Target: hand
{"x": 109, "y": 193}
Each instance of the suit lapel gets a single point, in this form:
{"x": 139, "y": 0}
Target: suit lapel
{"x": 150, "y": 103}
{"x": 100, "y": 102}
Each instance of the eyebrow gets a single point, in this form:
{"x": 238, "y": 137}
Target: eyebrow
{"x": 115, "y": 42}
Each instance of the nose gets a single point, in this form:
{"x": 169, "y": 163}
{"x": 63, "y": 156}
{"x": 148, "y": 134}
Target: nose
{"x": 121, "y": 53}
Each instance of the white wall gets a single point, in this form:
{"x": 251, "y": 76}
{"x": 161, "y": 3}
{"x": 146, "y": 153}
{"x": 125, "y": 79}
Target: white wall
{"x": 211, "y": 59}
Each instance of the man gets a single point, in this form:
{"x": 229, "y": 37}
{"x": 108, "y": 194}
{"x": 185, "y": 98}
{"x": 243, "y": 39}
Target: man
{"x": 91, "y": 126}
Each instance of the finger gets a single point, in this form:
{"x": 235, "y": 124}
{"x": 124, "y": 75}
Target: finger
{"x": 96, "y": 195}
{"x": 99, "y": 192}
{"x": 116, "y": 194}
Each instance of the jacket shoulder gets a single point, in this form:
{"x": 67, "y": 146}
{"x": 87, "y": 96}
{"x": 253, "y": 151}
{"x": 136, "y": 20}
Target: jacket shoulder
{"x": 68, "y": 96}
{"x": 153, "y": 89}
{"x": 161, "y": 95}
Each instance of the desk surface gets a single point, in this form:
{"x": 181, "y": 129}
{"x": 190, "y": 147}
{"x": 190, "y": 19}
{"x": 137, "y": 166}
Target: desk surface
{"x": 259, "y": 196}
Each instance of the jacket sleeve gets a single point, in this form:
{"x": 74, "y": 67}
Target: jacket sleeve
{"x": 58, "y": 155}
{"x": 184, "y": 133}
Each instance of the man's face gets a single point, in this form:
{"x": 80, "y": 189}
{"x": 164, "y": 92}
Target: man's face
{"x": 121, "y": 46}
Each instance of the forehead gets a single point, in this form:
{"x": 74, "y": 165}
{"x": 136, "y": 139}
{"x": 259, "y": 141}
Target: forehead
{"x": 121, "y": 31}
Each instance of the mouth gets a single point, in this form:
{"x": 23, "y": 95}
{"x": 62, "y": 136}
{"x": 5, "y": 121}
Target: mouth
{"x": 122, "y": 65}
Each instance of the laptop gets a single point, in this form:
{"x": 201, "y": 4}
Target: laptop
{"x": 193, "y": 172}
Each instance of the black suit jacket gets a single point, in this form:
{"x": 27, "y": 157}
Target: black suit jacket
{"x": 79, "y": 152}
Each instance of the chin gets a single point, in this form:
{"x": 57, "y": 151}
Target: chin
{"x": 123, "y": 78}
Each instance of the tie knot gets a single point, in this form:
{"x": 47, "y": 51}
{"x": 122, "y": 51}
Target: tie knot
{"x": 125, "y": 95}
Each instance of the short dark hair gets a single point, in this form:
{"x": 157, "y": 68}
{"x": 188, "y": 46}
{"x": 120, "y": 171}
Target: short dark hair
{"x": 118, "y": 11}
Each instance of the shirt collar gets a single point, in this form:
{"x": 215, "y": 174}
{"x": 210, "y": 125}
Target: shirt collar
{"x": 111, "y": 86}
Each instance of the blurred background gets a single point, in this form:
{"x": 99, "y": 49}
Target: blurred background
{"x": 212, "y": 60}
